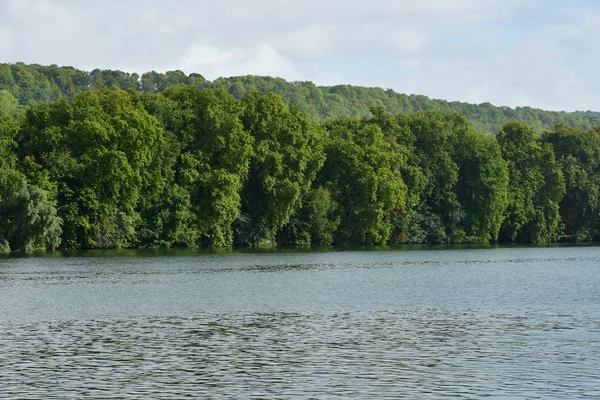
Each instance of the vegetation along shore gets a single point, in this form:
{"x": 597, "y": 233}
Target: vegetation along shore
{"x": 108, "y": 159}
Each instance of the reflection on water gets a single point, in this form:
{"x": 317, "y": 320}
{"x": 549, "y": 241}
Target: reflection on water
{"x": 463, "y": 324}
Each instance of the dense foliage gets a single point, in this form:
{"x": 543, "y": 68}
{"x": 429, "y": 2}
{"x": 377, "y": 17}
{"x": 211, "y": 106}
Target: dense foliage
{"x": 196, "y": 167}
{"x": 28, "y": 83}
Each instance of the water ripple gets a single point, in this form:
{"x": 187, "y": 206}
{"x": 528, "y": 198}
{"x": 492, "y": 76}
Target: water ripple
{"x": 427, "y": 353}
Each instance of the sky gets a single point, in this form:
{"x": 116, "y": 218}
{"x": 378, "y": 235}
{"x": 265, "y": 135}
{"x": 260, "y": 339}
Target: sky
{"x": 539, "y": 53}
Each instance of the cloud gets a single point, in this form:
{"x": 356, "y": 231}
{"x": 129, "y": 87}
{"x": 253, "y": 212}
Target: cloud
{"x": 407, "y": 40}
{"x": 6, "y": 40}
{"x": 509, "y": 52}
{"x": 313, "y": 42}
{"x": 215, "y": 61}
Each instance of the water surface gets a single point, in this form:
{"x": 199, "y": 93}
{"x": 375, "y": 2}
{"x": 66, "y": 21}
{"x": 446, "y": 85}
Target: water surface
{"x": 467, "y": 323}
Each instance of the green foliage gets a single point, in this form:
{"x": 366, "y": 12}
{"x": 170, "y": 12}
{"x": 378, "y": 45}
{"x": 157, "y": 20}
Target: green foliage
{"x": 329, "y": 102}
{"x": 536, "y": 186}
{"x": 315, "y": 223}
{"x": 362, "y": 172}
{"x": 8, "y": 102}
{"x": 578, "y": 155}
{"x": 27, "y": 220}
{"x": 458, "y": 180}
{"x": 175, "y": 160}
{"x": 37, "y": 83}
{"x": 4, "y": 246}
{"x": 434, "y": 210}
{"x": 101, "y": 152}
{"x": 288, "y": 153}
{"x": 212, "y": 162}
{"x": 8, "y": 131}
{"x": 482, "y": 184}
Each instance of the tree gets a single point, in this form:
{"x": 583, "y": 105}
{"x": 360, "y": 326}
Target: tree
{"x": 213, "y": 159}
{"x": 434, "y": 210}
{"x": 362, "y": 174}
{"x": 102, "y": 152}
{"x": 481, "y": 188}
{"x": 9, "y": 125}
{"x": 27, "y": 220}
{"x": 315, "y": 223}
{"x": 536, "y": 186}
{"x": 8, "y": 102}
{"x": 457, "y": 178}
{"x": 288, "y": 153}
{"x": 578, "y": 155}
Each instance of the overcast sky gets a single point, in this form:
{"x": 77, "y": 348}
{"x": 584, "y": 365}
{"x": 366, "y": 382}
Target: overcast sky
{"x": 542, "y": 53}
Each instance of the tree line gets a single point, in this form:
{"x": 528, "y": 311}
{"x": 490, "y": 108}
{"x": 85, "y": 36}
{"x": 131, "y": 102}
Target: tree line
{"x": 28, "y": 83}
{"x": 191, "y": 167}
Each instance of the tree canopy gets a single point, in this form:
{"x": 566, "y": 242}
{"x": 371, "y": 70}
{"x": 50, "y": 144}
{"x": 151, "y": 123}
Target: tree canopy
{"x": 182, "y": 163}
{"x": 36, "y": 83}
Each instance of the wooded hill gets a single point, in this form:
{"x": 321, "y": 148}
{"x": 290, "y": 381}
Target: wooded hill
{"x": 36, "y": 83}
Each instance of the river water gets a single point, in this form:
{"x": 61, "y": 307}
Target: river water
{"x": 463, "y": 323}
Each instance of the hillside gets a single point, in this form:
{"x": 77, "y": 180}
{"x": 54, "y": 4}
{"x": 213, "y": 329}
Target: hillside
{"x": 36, "y": 83}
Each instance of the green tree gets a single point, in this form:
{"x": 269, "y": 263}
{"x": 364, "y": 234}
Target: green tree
{"x": 363, "y": 175}
{"x": 315, "y": 223}
{"x": 9, "y": 126}
{"x": 8, "y": 102}
{"x": 434, "y": 210}
{"x": 27, "y": 220}
{"x": 482, "y": 184}
{"x": 536, "y": 186}
{"x": 578, "y": 154}
{"x": 457, "y": 180}
{"x": 102, "y": 153}
{"x": 288, "y": 153}
{"x": 213, "y": 159}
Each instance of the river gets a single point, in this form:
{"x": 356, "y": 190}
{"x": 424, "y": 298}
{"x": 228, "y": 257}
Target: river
{"x": 397, "y": 323}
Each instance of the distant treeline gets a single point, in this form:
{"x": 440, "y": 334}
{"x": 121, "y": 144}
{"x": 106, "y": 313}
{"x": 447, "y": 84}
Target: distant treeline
{"x": 38, "y": 83}
{"x": 190, "y": 167}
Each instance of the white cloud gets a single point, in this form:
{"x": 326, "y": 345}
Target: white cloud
{"x": 201, "y": 55}
{"x": 215, "y": 61}
{"x": 314, "y": 42}
{"x": 46, "y": 18}
{"x": 508, "y": 52}
{"x": 408, "y": 40}
{"x": 410, "y": 63}
{"x": 6, "y": 40}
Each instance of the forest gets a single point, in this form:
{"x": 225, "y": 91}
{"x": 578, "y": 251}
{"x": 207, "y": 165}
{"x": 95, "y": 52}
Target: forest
{"x": 36, "y": 83}
{"x": 184, "y": 165}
